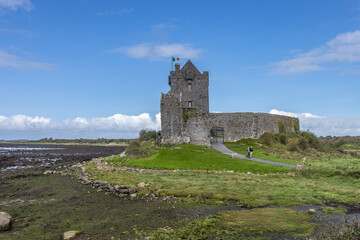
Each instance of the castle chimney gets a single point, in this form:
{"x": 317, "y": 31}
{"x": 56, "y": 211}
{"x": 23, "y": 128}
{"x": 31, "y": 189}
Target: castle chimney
{"x": 177, "y": 67}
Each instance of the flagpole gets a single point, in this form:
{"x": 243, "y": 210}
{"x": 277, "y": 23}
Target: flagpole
{"x": 172, "y": 63}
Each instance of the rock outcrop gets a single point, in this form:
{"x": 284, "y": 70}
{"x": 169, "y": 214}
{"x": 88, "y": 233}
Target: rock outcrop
{"x": 5, "y": 222}
{"x": 70, "y": 234}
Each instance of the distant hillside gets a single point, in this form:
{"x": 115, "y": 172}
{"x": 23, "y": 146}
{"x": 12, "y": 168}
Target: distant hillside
{"x": 343, "y": 143}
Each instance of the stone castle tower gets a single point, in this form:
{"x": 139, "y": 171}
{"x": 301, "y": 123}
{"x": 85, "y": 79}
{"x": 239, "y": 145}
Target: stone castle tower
{"x": 185, "y": 116}
{"x": 190, "y": 87}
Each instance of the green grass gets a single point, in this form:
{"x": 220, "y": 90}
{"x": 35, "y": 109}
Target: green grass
{"x": 349, "y": 147}
{"x": 329, "y": 179}
{"x": 309, "y": 187}
{"x": 267, "y": 219}
{"x": 46, "y": 206}
{"x": 187, "y": 156}
{"x": 336, "y": 165}
{"x": 241, "y": 147}
{"x": 333, "y": 210}
{"x": 242, "y": 224}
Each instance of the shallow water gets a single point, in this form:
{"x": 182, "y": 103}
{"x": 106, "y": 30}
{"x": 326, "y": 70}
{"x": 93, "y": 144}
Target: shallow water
{"x": 7, "y": 149}
{"x": 15, "y": 158}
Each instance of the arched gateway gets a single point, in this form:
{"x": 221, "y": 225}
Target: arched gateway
{"x": 217, "y": 135}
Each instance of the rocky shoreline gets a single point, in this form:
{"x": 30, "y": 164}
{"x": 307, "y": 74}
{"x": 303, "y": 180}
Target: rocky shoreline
{"x": 131, "y": 196}
{"x": 85, "y": 178}
{"x": 79, "y": 170}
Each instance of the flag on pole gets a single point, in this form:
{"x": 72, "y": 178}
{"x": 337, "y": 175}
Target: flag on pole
{"x": 173, "y": 59}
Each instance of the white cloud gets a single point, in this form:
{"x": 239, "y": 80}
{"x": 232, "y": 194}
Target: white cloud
{"x": 152, "y": 51}
{"x": 324, "y": 126}
{"x": 344, "y": 48}
{"x": 290, "y": 114}
{"x": 116, "y": 126}
{"x": 119, "y": 12}
{"x": 23, "y": 122}
{"x": 11, "y": 61}
{"x": 17, "y": 4}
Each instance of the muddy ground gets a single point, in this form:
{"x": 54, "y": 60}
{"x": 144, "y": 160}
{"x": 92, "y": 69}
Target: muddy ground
{"x": 17, "y": 159}
{"x": 45, "y": 206}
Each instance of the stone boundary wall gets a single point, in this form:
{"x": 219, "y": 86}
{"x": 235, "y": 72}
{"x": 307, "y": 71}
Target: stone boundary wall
{"x": 236, "y": 126}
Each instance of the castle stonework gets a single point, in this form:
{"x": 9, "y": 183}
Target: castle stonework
{"x": 190, "y": 87}
{"x": 185, "y": 116}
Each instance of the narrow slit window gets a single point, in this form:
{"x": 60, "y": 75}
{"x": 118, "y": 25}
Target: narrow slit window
{"x": 189, "y": 86}
{"x": 189, "y": 104}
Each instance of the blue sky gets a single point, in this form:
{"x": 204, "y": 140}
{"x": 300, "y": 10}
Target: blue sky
{"x": 95, "y": 68}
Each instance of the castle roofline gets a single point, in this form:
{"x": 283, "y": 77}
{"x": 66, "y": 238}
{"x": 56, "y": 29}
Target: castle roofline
{"x": 189, "y": 67}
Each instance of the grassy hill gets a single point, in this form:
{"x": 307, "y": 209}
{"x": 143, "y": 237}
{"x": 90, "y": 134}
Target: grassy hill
{"x": 187, "y": 157}
{"x": 344, "y": 144}
{"x": 332, "y": 177}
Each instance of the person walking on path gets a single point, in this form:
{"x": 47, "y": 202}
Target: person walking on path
{"x": 251, "y": 151}
{"x": 248, "y": 153}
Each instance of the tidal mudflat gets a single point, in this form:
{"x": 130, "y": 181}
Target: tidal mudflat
{"x": 17, "y": 159}
{"x": 46, "y": 206}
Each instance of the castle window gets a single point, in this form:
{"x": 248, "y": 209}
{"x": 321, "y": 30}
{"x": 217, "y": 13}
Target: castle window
{"x": 189, "y": 86}
{"x": 189, "y": 104}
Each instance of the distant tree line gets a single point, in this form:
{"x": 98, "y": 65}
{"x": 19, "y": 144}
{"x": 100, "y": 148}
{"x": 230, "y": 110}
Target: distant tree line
{"x": 144, "y": 135}
{"x": 147, "y": 135}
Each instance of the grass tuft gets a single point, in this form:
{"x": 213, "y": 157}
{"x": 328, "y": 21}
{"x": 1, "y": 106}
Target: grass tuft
{"x": 333, "y": 210}
{"x": 267, "y": 220}
{"x": 239, "y": 224}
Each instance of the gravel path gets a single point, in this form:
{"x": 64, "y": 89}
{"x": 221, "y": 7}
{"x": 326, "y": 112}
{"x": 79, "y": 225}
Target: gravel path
{"x": 221, "y": 148}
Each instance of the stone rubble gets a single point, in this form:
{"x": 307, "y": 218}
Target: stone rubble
{"x": 125, "y": 191}
{"x": 142, "y": 185}
{"x": 5, "y": 222}
{"x": 120, "y": 191}
{"x": 311, "y": 211}
{"x": 104, "y": 166}
{"x": 69, "y": 235}
{"x": 103, "y": 186}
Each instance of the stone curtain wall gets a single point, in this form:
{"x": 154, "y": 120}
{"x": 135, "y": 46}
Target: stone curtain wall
{"x": 236, "y": 126}
{"x": 171, "y": 119}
